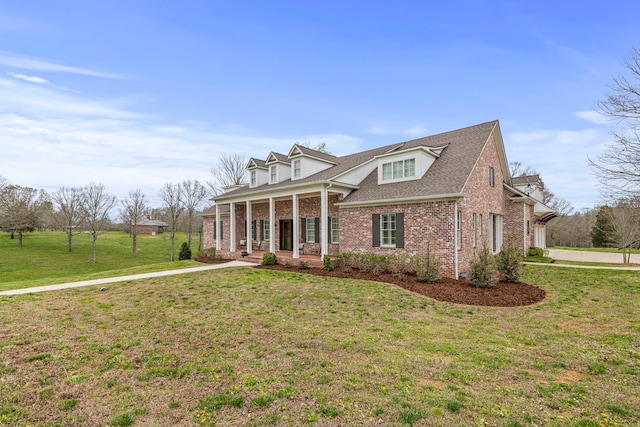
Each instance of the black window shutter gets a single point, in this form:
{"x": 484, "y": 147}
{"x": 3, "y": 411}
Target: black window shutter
{"x": 253, "y": 230}
{"x": 214, "y": 229}
{"x": 329, "y": 229}
{"x": 303, "y": 228}
{"x": 316, "y": 227}
{"x": 245, "y": 229}
{"x": 221, "y": 232}
{"x": 262, "y": 229}
{"x": 399, "y": 230}
{"x": 375, "y": 229}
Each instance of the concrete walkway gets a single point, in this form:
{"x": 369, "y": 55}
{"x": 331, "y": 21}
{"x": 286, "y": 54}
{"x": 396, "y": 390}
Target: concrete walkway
{"x": 108, "y": 280}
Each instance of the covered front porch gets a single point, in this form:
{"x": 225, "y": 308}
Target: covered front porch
{"x": 283, "y": 257}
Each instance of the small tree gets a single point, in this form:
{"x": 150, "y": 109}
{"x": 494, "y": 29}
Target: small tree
{"x": 171, "y": 196}
{"x": 133, "y": 209}
{"x": 428, "y": 266}
{"x": 603, "y": 234}
{"x": 97, "y": 205}
{"x": 194, "y": 194}
{"x": 69, "y": 215}
{"x": 509, "y": 261}
{"x": 185, "y": 252}
{"x": 21, "y": 209}
{"x": 483, "y": 271}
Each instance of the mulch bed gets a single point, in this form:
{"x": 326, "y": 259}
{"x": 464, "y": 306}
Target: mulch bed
{"x": 504, "y": 294}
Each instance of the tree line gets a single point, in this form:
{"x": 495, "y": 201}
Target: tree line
{"x": 91, "y": 209}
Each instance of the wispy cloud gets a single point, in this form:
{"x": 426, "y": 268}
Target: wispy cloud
{"x": 31, "y": 79}
{"x": 593, "y": 117}
{"x": 414, "y": 130}
{"x": 36, "y": 64}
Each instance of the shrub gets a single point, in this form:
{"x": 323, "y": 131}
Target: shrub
{"x": 536, "y": 252}
{"x": 210, "y": 253}
{"x": 509, "y": 262}
{"x": 269, "y": 258}
{"x": 303, "y": 265}
{"x": 287, "y": 264}
{"x": 185, "y": 252}
{"x": 399, "y": 265}
{"x": 328, "y": 264}
{"x": 483, "y": 271}
{"x": 428, "y": 266}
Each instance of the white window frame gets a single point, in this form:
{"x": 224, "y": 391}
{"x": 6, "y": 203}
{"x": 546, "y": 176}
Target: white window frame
{"x": 310, "y": 224}
{"x": 254, "y": 178}
{"x": 388, "y": 228}
{"x": 267, "y": 230}
{"x": 297, "y": 168}
{"x": 335, "y": 229}
{"x": 273, "y": 174}
{"x": 474, "y": 230}
{"x": 399, "y": 169}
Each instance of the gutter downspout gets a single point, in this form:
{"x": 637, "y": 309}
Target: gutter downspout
{"x": 524, "y": 228}
{"x": 455, "y": 240}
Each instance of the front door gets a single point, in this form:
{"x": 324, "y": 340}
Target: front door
{"x": 286, "y": 235}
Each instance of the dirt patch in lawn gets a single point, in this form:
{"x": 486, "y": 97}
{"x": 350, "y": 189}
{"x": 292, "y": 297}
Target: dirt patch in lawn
{"x": 504, "y": 294}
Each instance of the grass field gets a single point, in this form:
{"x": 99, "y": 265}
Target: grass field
{"x": 43, "y": 259}
{"x": 258, "y": 347}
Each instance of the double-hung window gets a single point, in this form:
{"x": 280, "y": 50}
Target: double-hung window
{"x": 388, "y": 230}
{"x": 273, "y": 174}
{"x": 311, "y": 229}
{"x": 335, "y": 230}
{"x": 297, "y": 169}
{"x": 267, "y": 230}
{"x": 253, "y": 178}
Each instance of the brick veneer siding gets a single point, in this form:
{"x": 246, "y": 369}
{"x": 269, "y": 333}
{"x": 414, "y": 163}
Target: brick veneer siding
{"x": 424, "y": 223}
{"x": 484, "y": 200}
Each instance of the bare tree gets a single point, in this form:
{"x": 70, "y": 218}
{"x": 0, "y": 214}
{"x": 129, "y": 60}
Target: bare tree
{"x": 229, "y": 170}
{"x": 70, "y": 213}
{"x": 133, "y": 209}
{"x": 97, "y": 205}
{"x": 618, "y": 167}
{"x": 194, "y": 194}
{"x": 172, "y": 204}
{"x": 624, "y": 216}
{"x": 21, "y": 209}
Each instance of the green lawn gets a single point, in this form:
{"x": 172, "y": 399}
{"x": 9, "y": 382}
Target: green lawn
{"x": 258, "y": 347}
{"x": 43, "y": 259}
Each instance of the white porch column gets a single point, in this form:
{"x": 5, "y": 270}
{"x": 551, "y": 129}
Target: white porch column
{"x": 217, "y": 227}
{"x": 232, "y": 225}
{"x": 272, "y": 219}
{"x": 249, "y": 235}
{"x": 296, "y": 239}
{"x": 324, "y": 211}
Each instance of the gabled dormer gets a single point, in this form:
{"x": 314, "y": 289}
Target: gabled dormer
{"x": 278, "y": 167}
{"x": 530, "y": 185}
{"x": 258, "y": 172}
{"x": 306, "y": 161}
{"x": 406, "y": 164}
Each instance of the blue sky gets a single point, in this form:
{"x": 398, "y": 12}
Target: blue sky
{"x": 134, "y": 94}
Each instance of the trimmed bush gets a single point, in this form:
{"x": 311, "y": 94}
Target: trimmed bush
{"x": 483, "y": 271}
{"x": 185, "y": 252}
{"x": 269, "y": 258}
{"x": 328, "y": 264}
{"x": 210, "y": 253}
{"x": 536, "y": 252}
{"x": 509, "y": 262}
{"x": 303, "y": 265}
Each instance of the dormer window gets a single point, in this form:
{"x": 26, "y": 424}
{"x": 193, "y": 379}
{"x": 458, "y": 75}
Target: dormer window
{"x": 297, "y": 169}
{"x": 254, "y": 178}
{"x": 399, "y": 169}
{"x": 273, "y": 174}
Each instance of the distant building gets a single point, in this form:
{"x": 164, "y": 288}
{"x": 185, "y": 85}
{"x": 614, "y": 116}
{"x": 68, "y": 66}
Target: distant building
{"x": 151, "y": 226}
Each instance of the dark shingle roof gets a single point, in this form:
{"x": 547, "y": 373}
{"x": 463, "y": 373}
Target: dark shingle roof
{"x": 318, "y": 154}
{"x": 447, "y": 175}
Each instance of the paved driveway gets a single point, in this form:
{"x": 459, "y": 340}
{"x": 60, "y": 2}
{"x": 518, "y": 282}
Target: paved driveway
{"x": 588, "y": 256}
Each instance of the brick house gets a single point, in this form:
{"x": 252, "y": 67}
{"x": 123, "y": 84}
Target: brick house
{"x": 451, "y": 191}
{"x": 151, "y": 226}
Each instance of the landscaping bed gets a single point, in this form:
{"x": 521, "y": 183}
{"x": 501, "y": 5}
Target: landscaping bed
{"x": 504, "y": 294}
